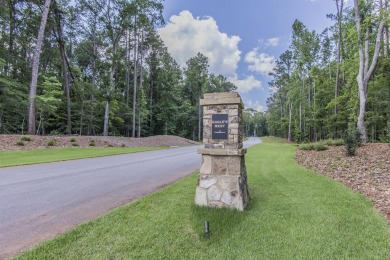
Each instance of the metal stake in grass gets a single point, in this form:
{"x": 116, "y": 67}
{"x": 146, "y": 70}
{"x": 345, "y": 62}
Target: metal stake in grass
{"x": 206, "y": 229}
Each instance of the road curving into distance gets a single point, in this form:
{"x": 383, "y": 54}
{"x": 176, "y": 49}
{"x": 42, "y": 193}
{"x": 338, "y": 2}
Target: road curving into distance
{"x": 38, "y": 202}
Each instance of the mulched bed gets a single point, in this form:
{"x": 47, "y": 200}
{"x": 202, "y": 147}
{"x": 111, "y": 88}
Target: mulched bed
{"x": 368, "y": 172}
{"x": 9, "y": 142}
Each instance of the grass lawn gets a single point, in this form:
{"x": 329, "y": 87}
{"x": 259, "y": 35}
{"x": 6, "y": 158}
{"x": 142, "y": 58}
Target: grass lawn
{"x": 15, "y": 158}
{"x": 294, "y": 214}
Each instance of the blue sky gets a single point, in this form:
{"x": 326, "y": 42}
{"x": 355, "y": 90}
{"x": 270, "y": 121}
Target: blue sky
{"x": 241, "y": 38}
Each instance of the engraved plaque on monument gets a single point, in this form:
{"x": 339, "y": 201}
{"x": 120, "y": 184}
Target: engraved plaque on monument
{"x": 222, "y": 180}
{"x": 219, "y": 126}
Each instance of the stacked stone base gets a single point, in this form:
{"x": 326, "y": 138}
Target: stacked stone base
{"x": 222, "y": 181}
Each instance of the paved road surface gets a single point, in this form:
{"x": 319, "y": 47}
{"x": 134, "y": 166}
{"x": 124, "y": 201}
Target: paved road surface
{"x": 38, "y": 202}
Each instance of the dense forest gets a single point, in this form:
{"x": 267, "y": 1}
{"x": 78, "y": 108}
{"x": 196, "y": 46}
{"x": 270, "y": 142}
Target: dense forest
{"x": 326, "y": 82}
{"x": 98, "y": 67}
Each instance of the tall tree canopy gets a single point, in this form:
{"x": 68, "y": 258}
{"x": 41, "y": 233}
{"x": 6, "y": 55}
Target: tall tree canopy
{"x": 102, "y": 70}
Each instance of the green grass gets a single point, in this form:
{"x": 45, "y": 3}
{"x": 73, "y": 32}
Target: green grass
{"x": 16, "y": 158}
{"x": 294, "y": 214}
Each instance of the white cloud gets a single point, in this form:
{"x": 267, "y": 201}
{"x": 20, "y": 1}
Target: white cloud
{"x": 255, "y": 105}
{"x": 272, "y": 42}
{"x": 247, "y": 84}
{"x": 260, "y": 62}
{"x": 185, "y": 36}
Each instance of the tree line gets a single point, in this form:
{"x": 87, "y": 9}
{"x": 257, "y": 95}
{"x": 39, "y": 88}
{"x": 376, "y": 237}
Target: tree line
{"x": 96, "y": 67}
{"x": 326, "y": 81}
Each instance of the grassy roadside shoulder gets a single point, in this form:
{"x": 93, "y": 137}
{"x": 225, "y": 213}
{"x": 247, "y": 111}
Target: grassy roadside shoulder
{"x": 17, "y": 158}
{"x": 294, "y": 213}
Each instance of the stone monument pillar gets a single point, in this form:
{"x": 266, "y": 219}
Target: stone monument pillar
{"x": 222, "y": 181}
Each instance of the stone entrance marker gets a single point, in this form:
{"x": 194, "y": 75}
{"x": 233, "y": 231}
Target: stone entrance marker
{"x": 222, "y": 181}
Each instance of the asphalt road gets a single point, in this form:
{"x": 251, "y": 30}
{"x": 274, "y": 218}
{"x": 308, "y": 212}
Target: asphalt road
{"x": 38, "y": 202}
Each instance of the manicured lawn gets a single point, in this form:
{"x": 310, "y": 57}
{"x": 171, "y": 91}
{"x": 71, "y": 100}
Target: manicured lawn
{"x": 294, "y": 214}
{"x": 14, "y": 158}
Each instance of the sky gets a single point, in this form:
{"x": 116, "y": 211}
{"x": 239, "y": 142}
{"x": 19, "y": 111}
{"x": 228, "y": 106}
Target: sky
{"x": 241, "y": 38}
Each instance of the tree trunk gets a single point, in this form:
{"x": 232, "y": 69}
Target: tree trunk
{"x": 12, "y": 25}
{"x": 127, "y": 79}
{"x": 141, "y": 81}
{"x": 65, "y": 72}
{"x": 135, "y": 77}
{"x": 339, "y": 43}
{"x": 106, "y": 117}
{"x": 289, "y": 123}
{"x": 365, "y": 69}
{"x": 91, "y": 130}
{"x": 35, "y": 66}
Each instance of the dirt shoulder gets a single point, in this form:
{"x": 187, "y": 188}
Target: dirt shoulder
{"x": 368, "y": 172}
{"x": 9, "y": 142}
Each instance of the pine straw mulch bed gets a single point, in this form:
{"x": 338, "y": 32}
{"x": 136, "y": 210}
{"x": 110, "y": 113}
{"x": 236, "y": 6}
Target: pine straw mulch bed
{"x": 9, "y": 142}
{"x": 368, "y": 172}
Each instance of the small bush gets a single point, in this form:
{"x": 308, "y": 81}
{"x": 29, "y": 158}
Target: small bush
{"x": 387, "y": 137}
{"x": 20, "y": 143}
{"x": 332, "y": 142}
{"x": 352, "y": 139}
{"x": 51, "y": 142}
{"x": 26, "y": 138}
{"x": 123, "y": 145}
{"x": 306, "y": 147}
{"x": 320, "y": 146}
{"x": 54, "y": 132}
{"x": 92, "y": 143}
{"x": 75, "y": 144}
{"x": 338, "y": 142}
{"x": 73, "y": 140}
{"x": 110, "y": 145}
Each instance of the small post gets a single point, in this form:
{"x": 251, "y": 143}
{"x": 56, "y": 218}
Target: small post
{"x": 206, "y": 229}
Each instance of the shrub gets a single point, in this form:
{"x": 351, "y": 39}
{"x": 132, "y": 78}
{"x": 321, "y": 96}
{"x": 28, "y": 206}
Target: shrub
{"x": 92, "y": 143}
{"x": 73, "y": 140}
{"x": 110, "y": 145}
{"x": 352, "y": 139}
{"x": 320, "y": 146}
{"x": 387, "y": 137}
{"x": 338, "y": 142}
{"x": 123, "y": 145}
{"x": 54, "y": 132}
{"x": 75, "y": 144}
{"x": 306, "y": 147}
{"x": 51, "y": 142}
{"x": 20, "y": 143}
{"x": 26, "y": 138}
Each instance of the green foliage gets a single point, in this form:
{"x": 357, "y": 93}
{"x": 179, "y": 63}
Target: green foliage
{"x": 75, "y": 144}
{"x": 351, "y": 140}
{"x": 20, "y": 143}
{"x": 26, "y": 138}
{"x": 387, "y": 138}
{"x": 54, "y": 132}
{"x": 305, "y": 76}
{"x": 72, "y": 140}
{"x": 92, "y": 143}
{"x": 318, "y": 146}
{"x": 51, "y": 142}
{"x": 334, "y": 142}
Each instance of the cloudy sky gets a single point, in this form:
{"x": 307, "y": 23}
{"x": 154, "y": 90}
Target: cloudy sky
{"x": 241, "y": 38}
